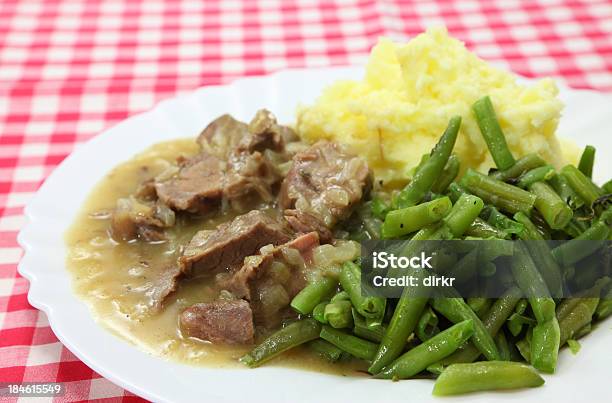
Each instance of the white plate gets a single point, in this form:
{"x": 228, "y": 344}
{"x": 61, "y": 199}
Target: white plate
{"x": 585, "y": 376}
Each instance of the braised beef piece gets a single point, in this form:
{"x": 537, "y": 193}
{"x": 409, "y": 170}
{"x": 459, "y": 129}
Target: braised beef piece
{"x": 159, "y": 288}
{"x": 222, "y": 321}
{"x": 303, "y": 222}
{"x": 322, "y": 187}
{"x": 198, "y": 185}
{"x": 270, "y": 279}
{"x": 238, "y": 163}
{"x": 138, "y": 218}
{"x": 231, "y": 242}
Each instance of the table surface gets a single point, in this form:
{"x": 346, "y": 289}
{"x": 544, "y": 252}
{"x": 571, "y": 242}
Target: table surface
{"x": 69, "y": 69}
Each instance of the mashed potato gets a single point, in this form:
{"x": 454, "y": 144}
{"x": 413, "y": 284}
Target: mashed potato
{"x": 409, "y": 93}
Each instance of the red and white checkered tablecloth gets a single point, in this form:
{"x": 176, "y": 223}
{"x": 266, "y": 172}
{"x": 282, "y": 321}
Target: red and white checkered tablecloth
{"x": 69, "y": 69}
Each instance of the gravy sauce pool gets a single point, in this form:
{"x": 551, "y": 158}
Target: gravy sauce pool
{"x": 114, "y": 278}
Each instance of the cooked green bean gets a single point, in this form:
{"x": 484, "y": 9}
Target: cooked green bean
{"x": 433, "y": 350}
{"x": 492, "y": 133}
{"x": 522, "y": 165}
{"x": 480, "y": 305}
{"x": 579, "y": 316}
{"x": 482, "y": 229}
{"x": 554, "y": 210}
{"x": 325, "y": 349}
{"x": 492, "y": 321}
{"x": 582, "y": 246}
{"x": 604, "y": 308}
{"x": 538, "y": 174}
{"x": 502, "y": 195}
{"x": 457, "y": 310}
{"x": 338, "y": 314}
{"x": 463, "y": 214}
{"x": 530, "y": 281}
{"x": 404, "y": 221}
{"x": 427, "y": 327}
{"x": 587, "y": 160}
{"x": 292, "y": 335}
{"x": 403, "y": 322}
{"x": 311, "y": 295}
{"x": 319, "y": 312}
{"x": 565, "y": 191}
{"x": 350, "y": 279}
{"x": 501, "y": 221}
{"x": 581, "y": 184}
{"x": 530, "y": 231}
{"x": 492, "y": 375}
{"x": 502, "y": 346}
{"x": 431, "y": 169}
{"x": 448, "y": 175}
{"x": 607, "y": 187}
{"x": 361, "y": 329}
{"x": 545, "y": 345}
{"x": 379, "y": 208}
{"x": 351, "y": 344}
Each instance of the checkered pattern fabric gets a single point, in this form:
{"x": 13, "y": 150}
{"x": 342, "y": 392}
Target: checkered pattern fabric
{"x": 70, "y": 68}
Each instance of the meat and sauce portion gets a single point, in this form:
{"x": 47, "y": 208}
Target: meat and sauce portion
{"x": 198, "y": 247}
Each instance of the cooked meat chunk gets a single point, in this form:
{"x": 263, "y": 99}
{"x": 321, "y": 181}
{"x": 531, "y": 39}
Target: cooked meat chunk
{"x": 325, "y": 183}
{"x": 237, "y": 161}
{"x": 196, "y": 187}
{"x": 249, "y": 174}
{"x": 303, "y": 222}
{"x": 135, "y": 218}
{"x": 231, "y": 242}
{"x": 270, "y": 279}
{"x": 159, "y": 288}
{"x": 221, "y": 321}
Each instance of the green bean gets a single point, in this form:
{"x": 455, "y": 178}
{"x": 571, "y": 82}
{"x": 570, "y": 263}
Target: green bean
{"x": 566, "y": 192}
{"x": 493, "y": 375}
{"x": 583, "y": 331}
{"x": 545, "y": 345}
{"x": 530, "y": 281}
{"x": 492, "y": 133}
{"x": 325, "y": 349}
{"x": 403, "y": 322}
{"x": 463, "y": 213}
{"x": 482, "y": 229}
{"x": 524, "y": 348}
{"x": 522, "y": 165}
{"x": 338, "y": 314}
{"x": 586, "y": 161}
{"x": 538, "y": 174}
{"x": 292, "y": 335}
{"x": 568, "y": 304}
{"x": 361, "y": 329}
{"x": 530, "y": 231}
{"x": 502, "y": 346}
{"x": 501, "y": 221}
{"x": 604, "y": 308}
{"x": 541, "y": 254}
{"x": 420, "y": 357}
{"x": 579, "y": 316}
{"x": 404, "y": 221}
{"x": 353, "y": 345}
{"x": 431, "y": 169}
{"x": 554, "y": 210}
{"x": 607, "y": 187}
{"x": 311, "y": 295}
{"x": 582, "y": 246}
{"x": 516, "y": 321}
{"x": 492, "y": 321}
{"x": 502, "y": 195}
{"x": 448, "y": 175}
{"x": 341, "y": 296}
{"x": 480, "y": 305}
{"x": 427, "y": 327}
{"x": 319, "y": 312}
{"x": 581, "y": 184}
{"x": 350, "y": 279}
{"x": 455, "y": 191}
{"x": 457, "y": 310}
{"x": 379, "y": 208}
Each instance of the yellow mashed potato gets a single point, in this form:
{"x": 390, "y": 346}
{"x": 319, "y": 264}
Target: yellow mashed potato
{"x": 409, "y": 93}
